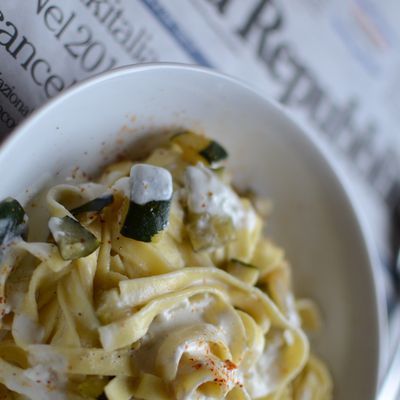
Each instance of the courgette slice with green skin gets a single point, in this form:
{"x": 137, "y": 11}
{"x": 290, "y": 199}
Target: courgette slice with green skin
{"x": 197, "y": 148}
{"x": 72, "y": 239}
{"x": 150, "y": 202}
{"x": 94, "y": 205}
{"x": 214, "y": 152}
{"x": 243, "y": 271}
{"x": 13, "y": 222}
{"x": 143, "y": 221}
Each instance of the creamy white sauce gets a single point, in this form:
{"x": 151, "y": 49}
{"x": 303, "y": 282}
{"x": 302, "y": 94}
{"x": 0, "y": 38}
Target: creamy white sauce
{"x": 33, "y": 389}
{"x": 39, "y": 373}
{"x": 123, "y": 185}
{"x": 54, "y": 226}
{"x": 26, "y": 329}
{"x": 214, "y": 320}
{"x": 265, "y": 375}
{"x": 47, "y": 378}
{"x": 186, "y": 312}
{"x": 47, "y": 358}
{"x": 150, "y": 183}
{"x": 206, "y": 193}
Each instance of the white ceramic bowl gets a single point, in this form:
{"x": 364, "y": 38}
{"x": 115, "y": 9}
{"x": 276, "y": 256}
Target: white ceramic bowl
{"x": 313, "y": 217}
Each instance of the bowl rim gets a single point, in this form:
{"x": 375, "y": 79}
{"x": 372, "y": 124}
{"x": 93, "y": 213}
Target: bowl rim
{"x": 368, "y": 245}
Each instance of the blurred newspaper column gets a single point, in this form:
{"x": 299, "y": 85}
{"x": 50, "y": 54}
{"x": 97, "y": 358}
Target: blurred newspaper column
{"x": 334, "y": 64}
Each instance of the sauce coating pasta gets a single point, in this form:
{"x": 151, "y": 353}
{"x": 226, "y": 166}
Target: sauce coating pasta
{"x": 156, "y": 283}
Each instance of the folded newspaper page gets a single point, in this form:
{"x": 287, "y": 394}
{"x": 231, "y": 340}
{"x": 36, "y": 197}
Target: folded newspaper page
{"x": 335, "y": 65}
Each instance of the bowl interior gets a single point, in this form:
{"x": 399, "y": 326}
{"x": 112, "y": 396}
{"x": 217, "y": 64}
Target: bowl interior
{"x": 312, "y": 219}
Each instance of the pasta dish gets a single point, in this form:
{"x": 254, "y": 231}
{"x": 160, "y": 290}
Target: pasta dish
{"x": 156, "y": 282}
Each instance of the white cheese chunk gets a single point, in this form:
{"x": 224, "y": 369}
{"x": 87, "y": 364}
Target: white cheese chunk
{"x": 150, "y": 183}
{"x": 55, "y": 224}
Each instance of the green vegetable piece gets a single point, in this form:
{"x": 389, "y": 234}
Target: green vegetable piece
{"x": 214, "y": 152}
{"x": 94, "y": 205}
{"x": 13, "y": 220}
{"x": 197, "y": 148}
{"x": 210, "y": 231}
{"x": 72, "y": 239}
{"x": 142, "y": 222}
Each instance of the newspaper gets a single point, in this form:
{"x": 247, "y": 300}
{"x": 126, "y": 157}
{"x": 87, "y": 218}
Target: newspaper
{"x": 334, "y": 64}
